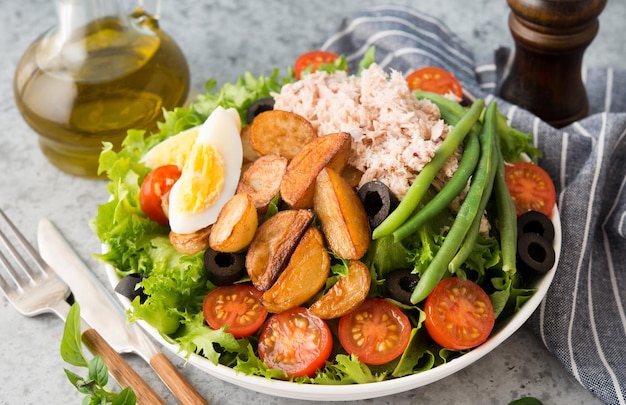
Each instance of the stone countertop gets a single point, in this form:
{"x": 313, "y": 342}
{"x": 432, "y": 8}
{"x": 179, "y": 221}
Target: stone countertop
{"x": 222, "y": 39}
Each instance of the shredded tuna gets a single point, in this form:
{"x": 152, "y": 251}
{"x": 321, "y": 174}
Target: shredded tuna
{"x": 394, "y": 134}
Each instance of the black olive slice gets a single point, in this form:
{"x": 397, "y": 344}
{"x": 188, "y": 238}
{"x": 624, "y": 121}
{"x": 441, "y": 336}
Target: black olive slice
{"x": 378, "y": 201}
{"x": 536, "y": 222}
{"x": 224, "y": 268}
{"x": 535, "y": 253}
{"x": 400, "y": 285}
{"x": 259, "y": 106}
{"x": 127, "y": 287}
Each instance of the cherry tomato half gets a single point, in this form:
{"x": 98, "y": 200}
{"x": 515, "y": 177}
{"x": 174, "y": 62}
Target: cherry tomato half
{"x": 459, "y": 314}
{"x": 376, "y": 332}
{"x": 313, "y": 58}
{"x": 531, "y": 188}
{"x": 238, "y": 307}
{"x": 296, "y": 342}
{"x": 154, "y": 187}
{"x": 434, "y": 80}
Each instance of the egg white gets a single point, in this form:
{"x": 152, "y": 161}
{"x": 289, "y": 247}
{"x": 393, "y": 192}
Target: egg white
{"x": 222, "y": 131}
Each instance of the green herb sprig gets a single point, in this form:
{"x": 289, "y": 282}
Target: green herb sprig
{"x": 94, "y": 386}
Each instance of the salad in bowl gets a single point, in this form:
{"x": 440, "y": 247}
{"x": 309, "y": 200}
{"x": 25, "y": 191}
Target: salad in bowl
{"x": 330, "y": 228}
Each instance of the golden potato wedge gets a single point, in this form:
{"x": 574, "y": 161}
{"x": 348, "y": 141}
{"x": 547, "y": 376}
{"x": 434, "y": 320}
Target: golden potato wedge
{"x": 341, "y": 214}
{"x": 249, "y": 154}
{"x": 273, "y": 245}
{"x": 352, "y": 175}
{"x": 281, "y": 132}
{"x": 235, "y": 226}
{"x": 304, "y": 276}
{"x": 191, "y": 243}
{"x": 346, "y": 294}
{"x": 262, "y": 180}
{"x": 298, "y": 182}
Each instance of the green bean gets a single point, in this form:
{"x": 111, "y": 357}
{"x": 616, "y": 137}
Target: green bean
{"x": 424, "y": 179}
{"x": 466, "y": 214}
{"x": 470, "y": 238}
{"x": 452, "y": 117}
{"x": 507, "y": 217}
{"x": 450, "y": 190}
{"x": 451, "y": 112}
{"x": 513, "y": 141}
{"x": 441, "y": 102}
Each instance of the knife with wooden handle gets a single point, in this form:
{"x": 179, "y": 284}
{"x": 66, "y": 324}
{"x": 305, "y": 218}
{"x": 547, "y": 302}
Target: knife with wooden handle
{"x": 123, "y": 373}
{"x": 105, "y": 315}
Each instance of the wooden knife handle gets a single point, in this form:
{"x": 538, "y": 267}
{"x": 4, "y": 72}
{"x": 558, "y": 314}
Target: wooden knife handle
{"x": 123, "y": 373}
{"x": 176, "y": 382}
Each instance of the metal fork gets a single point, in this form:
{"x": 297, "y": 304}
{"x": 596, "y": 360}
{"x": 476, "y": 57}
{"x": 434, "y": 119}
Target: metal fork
{"x": 33, "y": 288}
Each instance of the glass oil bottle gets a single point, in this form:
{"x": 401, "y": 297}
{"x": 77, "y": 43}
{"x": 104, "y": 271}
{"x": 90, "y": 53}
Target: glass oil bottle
{"x": 95, "y": 75}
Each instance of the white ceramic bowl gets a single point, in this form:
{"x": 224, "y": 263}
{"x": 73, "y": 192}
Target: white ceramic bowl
{"x": 371, "y": 390}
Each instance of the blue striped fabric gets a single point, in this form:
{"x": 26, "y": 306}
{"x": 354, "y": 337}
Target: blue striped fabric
{"x": 582, "y": 320}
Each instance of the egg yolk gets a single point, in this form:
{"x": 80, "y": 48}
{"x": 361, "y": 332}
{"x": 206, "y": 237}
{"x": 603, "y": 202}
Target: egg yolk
{"x": 172, "y": 151}
{"x": 202, "y": 179}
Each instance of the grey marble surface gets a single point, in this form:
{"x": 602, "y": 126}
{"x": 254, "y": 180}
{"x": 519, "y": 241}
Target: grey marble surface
{"x": 222, "y": 39}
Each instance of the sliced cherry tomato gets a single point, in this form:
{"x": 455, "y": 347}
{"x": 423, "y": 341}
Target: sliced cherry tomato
{"x": 434, "y": 80}
{"x": 155, "y": 186}
{"x": 459, "y": 314}
{"x": 238, "y": 307}
{"x": 376, "y": 332}
{"x": 313, "y": 58}
{"x": 296, "y": 342}
{"x": 531, "y": 188}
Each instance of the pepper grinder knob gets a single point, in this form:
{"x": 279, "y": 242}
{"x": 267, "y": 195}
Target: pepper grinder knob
{"x": 545, "y": 76}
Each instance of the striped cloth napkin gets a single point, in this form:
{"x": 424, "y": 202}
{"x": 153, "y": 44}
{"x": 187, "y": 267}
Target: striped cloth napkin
{"x": 582, "y": 319}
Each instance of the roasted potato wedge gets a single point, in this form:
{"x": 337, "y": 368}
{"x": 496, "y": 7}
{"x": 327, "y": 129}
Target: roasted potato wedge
{"x": 341, "y": 214}
{"x": 262, "y": 180}
{"x": 191, "y": 243}
{"x": 352, "y": 175}
{"x": 298, "y": 182}
{"x": 249, "y": 154}
{"x": 280, "y": 132}
{"x": 273, "y": 245}
{"x": 235, "y": 226}
{"x": 304, "y": 276}
{"x": 346, "y": 294}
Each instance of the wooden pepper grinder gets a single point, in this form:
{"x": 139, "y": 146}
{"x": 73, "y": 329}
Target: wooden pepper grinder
{"x": 550, "y": 39}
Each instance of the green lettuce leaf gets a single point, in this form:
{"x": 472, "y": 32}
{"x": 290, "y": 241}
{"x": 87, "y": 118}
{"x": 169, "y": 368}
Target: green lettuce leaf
{"x": 346, "y": 370}
{"x": 515, "y": 143}
{"x": 250, "y": 364}
{"x": 196, "y": 337}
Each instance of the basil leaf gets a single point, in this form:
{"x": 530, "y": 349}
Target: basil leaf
{"x": 98, "y": 371}
{"x": 125, "y": 397}
{"x": 71, "y": 344}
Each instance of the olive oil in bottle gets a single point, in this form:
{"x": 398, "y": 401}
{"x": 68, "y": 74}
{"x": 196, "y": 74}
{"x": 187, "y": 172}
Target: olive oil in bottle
{"x": 83, "y": 86}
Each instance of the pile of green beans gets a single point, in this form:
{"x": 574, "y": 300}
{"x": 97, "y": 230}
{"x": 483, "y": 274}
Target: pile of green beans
{"x": 482, "y": 165}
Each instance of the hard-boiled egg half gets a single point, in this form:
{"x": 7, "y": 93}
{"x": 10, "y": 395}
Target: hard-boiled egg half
{"x": 210, "y": 170}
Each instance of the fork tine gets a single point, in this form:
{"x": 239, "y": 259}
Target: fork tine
{"x": 4, "y": 284}
{"x": 26, "y": 268}
{"x": 18, "y": 280}
{"x": 11, "y": 272}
